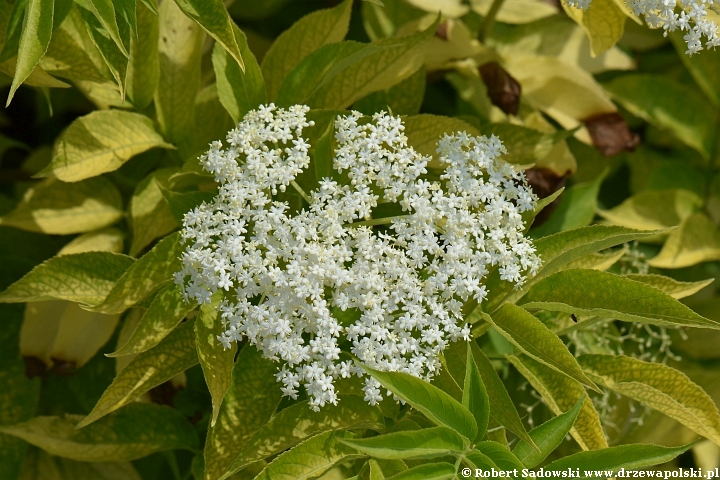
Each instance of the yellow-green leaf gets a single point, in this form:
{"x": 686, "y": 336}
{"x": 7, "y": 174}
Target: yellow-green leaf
{"x": 249, "y": 403}
{"x": 597, "y": 261}
{"x": 34, "y": 40}
{"x": 674, "y": 288}
{"x": 428, "y": 471}
{"x": 705, "y": 69}
{"x": 100, "y": 142}
{"x": 658, "y": 386}
{"x": 304, "y": 37}
{"x": 59, "y": 208}
{"x": 516, "y": 11}
{"x": 561, "y": 393}
{"x": 537, "y": 341}
{"x": 216, "y": 361}
{"x": 311, "y": 458}
{"x": 141, "y": 78}
{"x": 131, "y": 433}
{"x": 405, "y": 98}
{"x": 150, "y": 215}
{"x": 576, "y": 209}
{"x": 424, "y": 131}
{"x": 214, "y": 18}
{"x": 83, "y": 278}
{"x": 474, "y": 396}
{"x": 425, "y": 443}
{"x": 603, "y": 22}
{"x": 108, "y": 239}
{"x": 239, "y": 91}
{"x": 39, "y": 465}
{"x": 592, "y": 292}
{"x": 166, "y": 311}
{"x": 104, "y": 12}
{"x": 175, "y": 354}
{"x": 696, "y": 241}
{"x": 151, "y": 272}
{"x": 654, "y": 209}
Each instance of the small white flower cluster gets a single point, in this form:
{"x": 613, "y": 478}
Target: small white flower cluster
{"x": 390, "y": 290}
{"x": 693, "y": 18}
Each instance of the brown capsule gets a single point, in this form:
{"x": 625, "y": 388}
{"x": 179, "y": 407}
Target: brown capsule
{"x": 502, "y": 89}
{"x": 610, "y": 134}
{"x": 442, "y": 30}
{"x": 34, "y": 367}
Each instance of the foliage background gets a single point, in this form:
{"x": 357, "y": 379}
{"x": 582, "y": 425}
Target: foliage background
{"x": 592, "y": 101}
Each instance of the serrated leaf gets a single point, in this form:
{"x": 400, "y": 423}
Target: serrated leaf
{"x": 311, "y": 458}
{"x": 141, "y": 78}
{"x": 428, "y": 471}
{"x": 304, "y": 37}
{"x": 179, "y": 51}
{"x": 151, "y": 272}
{"x": 425, "y": 443}
{"x": 499, "y": 454}
{"x": 528, "y": 217}
{"x": 104, "y": 12}
{"x": 249, "y": 403}
{"x": 212, "y": 121}
{"x": 34, "y": 40}
{"x": 561, "y": 393}
{"x": 654, "y": 209}
{"x": 127, "y": 10}
{"x": 100, "y": 142}
{"x": 604, "y": 24}
{"x": 436, "y": 405}
{"x": 84, "y": 278}
{"x": 405, "y": 98}
{"x": 612, "y": 459}
{"x": 133, "y": 432}
{"x": 215, "y": 360}
{"x": 149, "y": 212}
{"x": 58, "y": 208}
{"x": 182, "y": 202}
{"x": 108, "y": 239}
{"x": 166, "y": 311}
{"x": 424, "y": 131}
{"x": 534, "y": 339}
{"x": 668, "y": 104}
{"x": 239, "y": 91}
{"x": 475, "y": 397}
{"x": 672, "y": 287}
{"x": 298, "y": 422}
{"x": 596, "y": 261}
{"x": 214, "y": 18}
{"x": 608, "y": 295}
{"x": 547, "y": 436}
{"x": 558, "y": 250}
{"x": 660, "y": 387}
{"x": 335, "y": 76}
{"x": 576, "y": 209}
{"x": 696, "y": 241}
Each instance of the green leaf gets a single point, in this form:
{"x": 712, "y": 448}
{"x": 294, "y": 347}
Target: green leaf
{"x": 604, "y": 24}
{"x": 100, "y": 142}
{"x": 84, "y": 278}
{"x": 608, "y": 295}
{"x": 179, "y": 51}
{"x": 428, "y": 471}
{"x": 304, "y": 37}
{"x": 214, "y": 18}
{"x": 249, "y": 403}
{"x": 212, "y": 121}
{"x": 547, "y": 436}
{"x": 597, "y": 261}
{"x": 672, "y": 287}
{"x": 335, "y": 76}
{"x": 525, "y": 145}
{"x": 475, "y": 397}
{"x": 499, "y": 454}
{"x": 696, "y": 241}
{"x": 608, "y": 461}
{"x": 376, "y": 472}
{"x": 133, "y": 432}
{"x": 561, "y": 393}
{"x": 152, "y": 271}
{"x": 405, "y": 98}
{"x": 660, "y": 387}
{"x": 13, "y": 29}
{"x": 141, "y": 78}
{"x": 42, "y": 466}
{"x": 534, "y": 339}
{"x": 149, "y": 212}
{"x": 182, "y": 202}
{"x": 436, "y": 405}
{"x": 104, "y": 12}
{"x": 528, "y": 217}
{"x": 558, "y": 250}
{"x": 216, "y": 361}
{"x": 166, "y": 311}
{"x": 298, "y": 422}
{"x": 311, "y": 458}
{"x": 59, "y": 208}
{"x": 324, "y": 153}
{"x": 576, "y": 209}
{"x": 127, "y": 10}
{"x": 425, "y": 443}
{"x": 654, "y": 209}
{"x": 668, "y": 104}
{"x": 34, "y": 40}
{"x": 502, "y": 408}
{"x": 175, "y": 354}
{"x": 424, "y": 131}
{"x": 107, "y": 239}
{"x": 239, "y": 91}
{"x": 705, "y": 69}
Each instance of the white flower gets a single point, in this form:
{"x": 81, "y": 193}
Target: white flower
{"x": 301, "y": 284}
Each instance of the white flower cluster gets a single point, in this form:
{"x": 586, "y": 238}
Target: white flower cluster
{"x": 388, "y": 290}
{"x": 693, "y": 18}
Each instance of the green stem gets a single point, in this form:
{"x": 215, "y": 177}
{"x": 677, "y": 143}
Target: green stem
{"x": 489, "y": 20}
{"x": 302, "y": 193}
{"x": 373, "y": 221}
